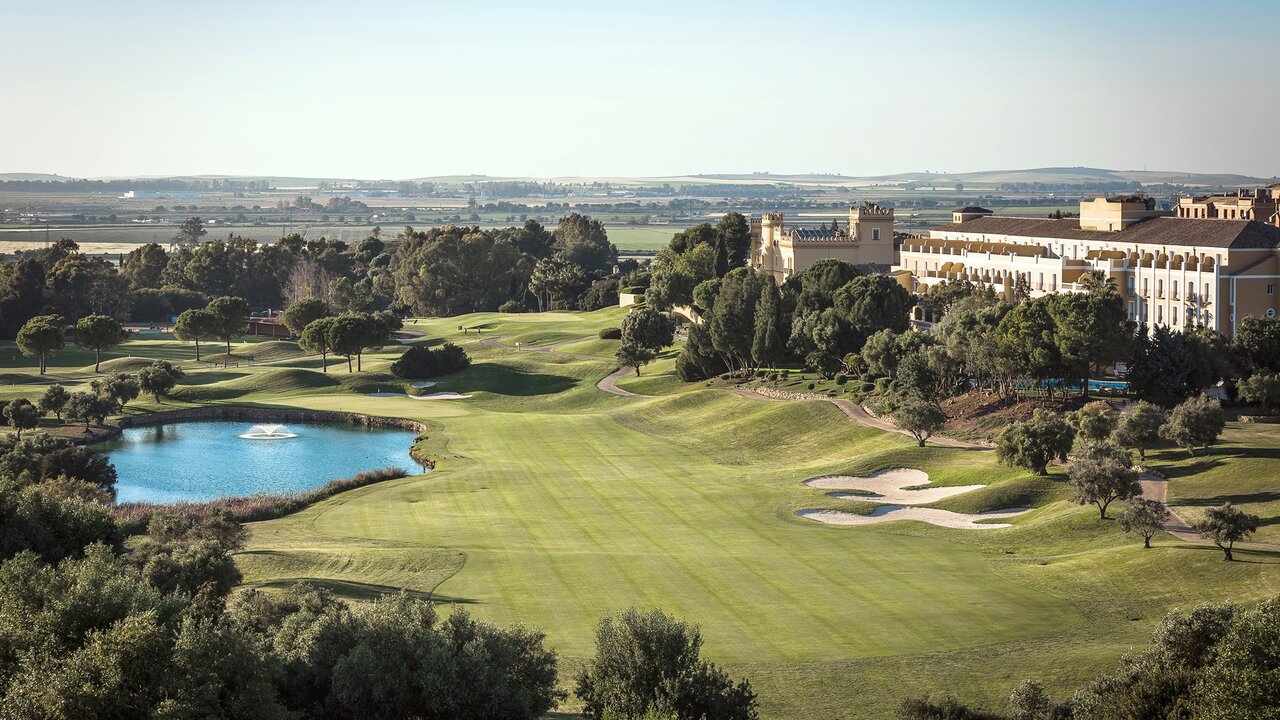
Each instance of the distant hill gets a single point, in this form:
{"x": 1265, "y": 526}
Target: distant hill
{"x": 1048, "y": 175}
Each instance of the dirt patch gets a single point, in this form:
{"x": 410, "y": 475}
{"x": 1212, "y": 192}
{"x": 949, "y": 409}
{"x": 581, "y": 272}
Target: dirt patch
{"x": 981, "y": 415}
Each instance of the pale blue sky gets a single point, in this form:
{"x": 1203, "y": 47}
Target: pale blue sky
{"x": 380, "y": 89}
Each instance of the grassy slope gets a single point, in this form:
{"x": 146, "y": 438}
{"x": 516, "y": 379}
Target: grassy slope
{"x": 554, "y": 502}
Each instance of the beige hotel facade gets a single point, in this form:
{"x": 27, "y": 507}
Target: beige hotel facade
{"x": 1215, "y": 260}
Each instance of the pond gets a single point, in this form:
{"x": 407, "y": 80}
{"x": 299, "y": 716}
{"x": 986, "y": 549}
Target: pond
{"x": 198, "y": 461}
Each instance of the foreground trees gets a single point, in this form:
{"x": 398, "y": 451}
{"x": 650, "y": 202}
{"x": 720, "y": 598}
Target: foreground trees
{"x": 648, "y": 662}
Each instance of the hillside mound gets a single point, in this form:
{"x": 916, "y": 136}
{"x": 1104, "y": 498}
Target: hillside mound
{"x": 283, "y": 380}
{"x": 980, "y": 415}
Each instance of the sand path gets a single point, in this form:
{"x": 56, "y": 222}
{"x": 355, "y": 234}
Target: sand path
{"x": 889, "y": 487}
{"x": 609, "y": 383}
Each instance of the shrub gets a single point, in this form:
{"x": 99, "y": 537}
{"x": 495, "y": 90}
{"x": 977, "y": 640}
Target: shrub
{"x": 424, "y": 362}
{"x": 811, "y": 386}
{"x": 634, "y": 290}
{"x": 611, "y": 333}
{"x": 841, "y": 379}
{"x": 511, "y": 306}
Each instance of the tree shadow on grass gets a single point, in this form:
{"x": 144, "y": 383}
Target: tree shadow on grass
{"x": 1242, "y": 553}
{"x": 351, "y": 590}
{"x": 210, "y": 377}
{"x": 501, "y": 379}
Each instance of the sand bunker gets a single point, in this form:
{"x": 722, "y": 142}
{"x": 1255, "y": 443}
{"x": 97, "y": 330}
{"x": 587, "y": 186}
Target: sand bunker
{"x": 889, "y": 489}
{"x": 889, "y": 486}
{"x": 892, "y": 513}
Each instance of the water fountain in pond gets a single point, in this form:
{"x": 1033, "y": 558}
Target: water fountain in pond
{"x": 268, "y": 432}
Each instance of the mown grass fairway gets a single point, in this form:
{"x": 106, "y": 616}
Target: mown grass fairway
{"x": 554, "y": 502}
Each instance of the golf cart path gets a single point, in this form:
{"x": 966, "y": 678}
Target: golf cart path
{"x": 858, "y": 414}
{"x": 1157, "y": 488}
{"x": 610, "y": 383}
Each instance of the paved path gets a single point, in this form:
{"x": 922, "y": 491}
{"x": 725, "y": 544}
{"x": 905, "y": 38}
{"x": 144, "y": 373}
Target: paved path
{"x": 858, "y": 414}
{"x": 1157, "y": 488}
{"x": 610, "y": 383}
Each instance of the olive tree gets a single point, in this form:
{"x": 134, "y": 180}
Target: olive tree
{"x": 1196, "y": 423}
{"x": 159, "y": 378}
{"x": 1094, "y": 422}
{"x": 1227, "y": 525}
{"x": 98, "y": 333}
{"x": 1261, "y": 389}
{"x": 1144, "y": 517}
{"x": 1035, "y": 442}
{"x": 1101, "y": 473}
{"x": 1139, "y": 429}
{"x": 53, "y": 400}
{"x": 920, "y": 417}
{"x": 21, "y": 415}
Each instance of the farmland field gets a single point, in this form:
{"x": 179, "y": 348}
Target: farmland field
{"x": 553, "y": 502}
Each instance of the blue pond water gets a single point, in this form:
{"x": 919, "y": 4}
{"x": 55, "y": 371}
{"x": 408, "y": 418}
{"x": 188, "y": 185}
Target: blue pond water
{"x": 206, "y": 460}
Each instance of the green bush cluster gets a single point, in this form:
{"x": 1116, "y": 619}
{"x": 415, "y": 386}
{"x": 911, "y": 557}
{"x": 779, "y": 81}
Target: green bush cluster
{"x": 423, "y": 362}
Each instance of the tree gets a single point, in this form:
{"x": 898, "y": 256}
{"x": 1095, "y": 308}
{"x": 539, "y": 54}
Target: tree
{"x": 733, "y": 233}
{"x": 732, "y": 323}
{"x": 303, "y": 312}
{"x": 119, "y": 387}
{"x": 1029, "y": 701}
{"x": 768, "y": 344}
{"x": 1091, "y": 331}
{"x": 1035, "y": 442}
{"x": 1241, "y": 680}
{"x": 314, "y": 338}
{"x": 190, "y": 233}
{"x": 648, "y": 661}
{"x": 144, "y": 266}
{"x": 420, "y": 362}
{"x": 98, "y": 333}
{"x": 1261, "y": 389}
{"x": 346, "y": 337}
{"x": 1256, "y": 343}
{"x": 159, "y": 378}
{"x": 1139, "y": 429}
{"x": 632, "y": 355}
{"x": 42, "y": 336}
{"x": 1144, "y": 517}
{"x": 872, "y": 303}
{"x": 1227, "y": 525}
{"x": 645, "y": 332}
{"x": 920, "y": 417}
{"x": 196, "y": 325}
{"x": 21, "y": 415}
{"x": 90, "y": 406}
{"x": 1100, "y": 473}
{"x": 231, "y": 318}
{"x": 1196, "y": 423}
{"x": 1169, "y": 366}
{"x": 53, "y": 400}
{"x": 1094, "y": 422}
{"x": 584, "y": 242}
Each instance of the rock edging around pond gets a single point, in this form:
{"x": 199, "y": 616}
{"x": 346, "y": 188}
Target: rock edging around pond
{"x": 282, "y": 415}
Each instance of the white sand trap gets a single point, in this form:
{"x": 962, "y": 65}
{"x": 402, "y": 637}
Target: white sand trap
{"x": 892, "y": 513}
{"x": 441, "y": 396}
{"x": 888, "y": 486}
{"x": 424, "y": 383}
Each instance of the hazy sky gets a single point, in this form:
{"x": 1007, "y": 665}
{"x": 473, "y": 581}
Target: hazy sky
{"x": 379, "y": 89}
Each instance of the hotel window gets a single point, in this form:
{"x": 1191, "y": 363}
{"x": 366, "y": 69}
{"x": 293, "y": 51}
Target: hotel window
{"x": 1206, "y": 291}
{"x": 1174, "y": 313}
{"x": 1144, "y": 287}
{"x": 1191, "y": 290}
{"x": 1159, "y": 314}
{"x": 875, "y": 233}
{"x": 1130, "y": 284}
{"x": 1159, "y": 288}
{"x": 1041, "y": 286}
{"x": 1131, "y": 310}
{"x": 1271, "y": 288}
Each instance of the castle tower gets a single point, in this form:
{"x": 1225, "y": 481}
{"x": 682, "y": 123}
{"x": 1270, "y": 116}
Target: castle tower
{"x": 871, "y": 227}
